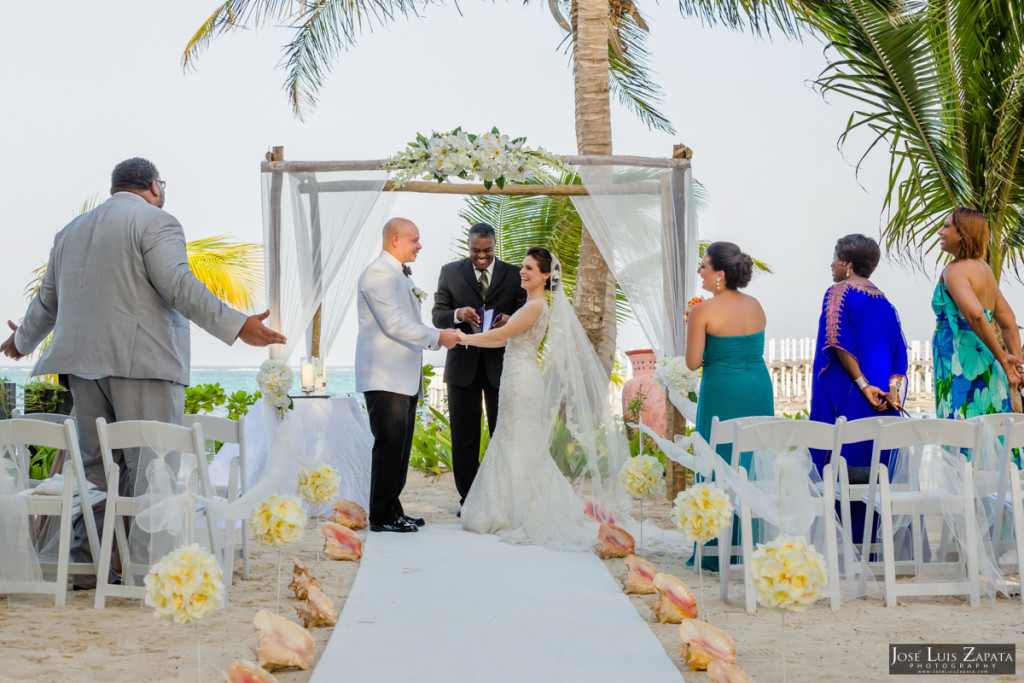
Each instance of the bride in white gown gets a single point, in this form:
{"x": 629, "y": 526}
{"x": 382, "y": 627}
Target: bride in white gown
{"x": 519, "y": 491}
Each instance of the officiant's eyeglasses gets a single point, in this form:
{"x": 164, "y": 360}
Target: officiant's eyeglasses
{"x": 163, "y": 183}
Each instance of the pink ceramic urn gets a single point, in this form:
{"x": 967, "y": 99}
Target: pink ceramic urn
{"x": 653, "y": 415}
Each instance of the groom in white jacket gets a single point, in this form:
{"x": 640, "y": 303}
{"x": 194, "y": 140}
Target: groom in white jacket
{"x": 389, "y": 368}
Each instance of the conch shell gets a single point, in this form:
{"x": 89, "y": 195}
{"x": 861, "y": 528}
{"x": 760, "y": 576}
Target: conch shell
{"x": 597, "y": 511}
{"x": 640, "y": 576}
{"x": 613, "y": 542}
{"x": 342, "y": 543}
{"x": 317, "y": 609}
{"x": 721, "y": 672}
{"x": 349, "y": 514}
{"x": 702, "y": 643}
{"x": 675, "y": 601}
{"x": 242, "y": 671}
{"x": 301, "y": 579}
{"x": 282, "y": 643}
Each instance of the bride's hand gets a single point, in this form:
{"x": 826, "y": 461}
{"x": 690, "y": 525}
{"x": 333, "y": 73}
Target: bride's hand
{"x": 462, "y": 336}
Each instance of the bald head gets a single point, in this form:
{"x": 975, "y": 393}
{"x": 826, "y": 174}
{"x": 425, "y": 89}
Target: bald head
{"x": 401, "y": 239}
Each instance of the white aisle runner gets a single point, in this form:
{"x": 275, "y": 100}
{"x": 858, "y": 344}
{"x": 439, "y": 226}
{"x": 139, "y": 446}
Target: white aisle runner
{"x": 445, "y": 606}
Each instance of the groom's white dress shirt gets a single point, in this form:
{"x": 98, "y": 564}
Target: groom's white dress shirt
{"x": 389, "y": 347}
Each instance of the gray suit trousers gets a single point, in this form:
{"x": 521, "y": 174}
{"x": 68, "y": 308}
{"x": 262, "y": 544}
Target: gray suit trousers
{"x": 117, "y": 399}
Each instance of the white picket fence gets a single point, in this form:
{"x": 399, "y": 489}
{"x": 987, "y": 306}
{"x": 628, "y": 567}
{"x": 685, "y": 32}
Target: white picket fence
{"x": 791, "y": 364}
{"x": 791, "y": 361}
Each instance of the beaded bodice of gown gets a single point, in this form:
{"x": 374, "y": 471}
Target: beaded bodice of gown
{"x": 519, "y": 492}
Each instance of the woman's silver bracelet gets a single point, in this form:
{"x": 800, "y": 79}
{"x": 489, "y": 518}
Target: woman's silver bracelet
{"x": 861, "y": 382}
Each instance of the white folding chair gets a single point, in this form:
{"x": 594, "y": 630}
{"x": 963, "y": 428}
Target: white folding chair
{"x": 143, "y": 434}
{"x": 229, "y": 431}
{"x": 21, "y": 432}
{"x": 774, "y": 435}
{"x": 722, "y": 432}
{"x": 890, "y": 500}
{"x": 1009, "y": 496}
{"x": 849, "y": 432}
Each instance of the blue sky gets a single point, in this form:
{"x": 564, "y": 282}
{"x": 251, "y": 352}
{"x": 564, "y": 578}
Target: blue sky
{"x": 103, "y": 83}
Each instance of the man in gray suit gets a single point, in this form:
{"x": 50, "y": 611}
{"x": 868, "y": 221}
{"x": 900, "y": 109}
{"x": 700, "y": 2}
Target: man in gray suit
{"x": 389, "y": 368}
{"x": 118, "y": 294}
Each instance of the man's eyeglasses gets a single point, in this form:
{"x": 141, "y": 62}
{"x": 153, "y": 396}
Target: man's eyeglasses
{"x": 163, "y": 183}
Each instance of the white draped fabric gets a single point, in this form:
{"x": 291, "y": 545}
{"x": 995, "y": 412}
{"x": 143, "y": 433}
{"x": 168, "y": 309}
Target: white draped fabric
{"x": 644, "y": 222}
{"x": 330, "y": 229}
{"x": 335, "y": 431}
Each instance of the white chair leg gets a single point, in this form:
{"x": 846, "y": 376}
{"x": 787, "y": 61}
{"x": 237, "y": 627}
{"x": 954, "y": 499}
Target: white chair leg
{"x": 63, "y": 547}
{"x": 1018, "y": 528}
{"x": 971, "y": 522}
{"x": 746, "y": 532}
{"x": 844, "y": 509}
{"x": 831, "y": 549}
{"x": 228, "y": 554}
{"x": 888, "y": 551}
{"x": 107, "y": 544}
{"x": 724, "y": 546}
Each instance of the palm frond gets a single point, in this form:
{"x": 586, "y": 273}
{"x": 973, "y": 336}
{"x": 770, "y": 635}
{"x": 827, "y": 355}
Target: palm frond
{"x": 234, "y": 15}
{"x": 757, "y": 16}
{"x": 631, "y": 77}
{"x": 233, "y": 271}
{"x": 323, "y": 29}
{"x": 941, "y": 84}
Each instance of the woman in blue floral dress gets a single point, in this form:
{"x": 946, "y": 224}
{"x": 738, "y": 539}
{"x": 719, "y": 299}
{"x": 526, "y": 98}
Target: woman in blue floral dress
{"x": 973, "y": 373}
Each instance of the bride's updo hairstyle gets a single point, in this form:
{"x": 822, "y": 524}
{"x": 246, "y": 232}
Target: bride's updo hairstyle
{"x": 543, "y": 258}
{"x": 736, "y": 265}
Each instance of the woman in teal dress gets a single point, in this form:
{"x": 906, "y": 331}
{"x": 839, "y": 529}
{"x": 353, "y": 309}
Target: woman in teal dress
{"x": 725, "y": 337}
{"x": 973, "y": 372}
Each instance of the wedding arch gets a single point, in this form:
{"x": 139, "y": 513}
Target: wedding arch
{"x": 321, "y": 233}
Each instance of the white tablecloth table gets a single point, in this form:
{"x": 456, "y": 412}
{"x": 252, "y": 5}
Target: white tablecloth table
{"x": 348, "y": 441}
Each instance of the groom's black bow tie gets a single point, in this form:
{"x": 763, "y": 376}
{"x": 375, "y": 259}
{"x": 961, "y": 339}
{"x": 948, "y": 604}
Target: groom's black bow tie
{"x": 406, "y": 270}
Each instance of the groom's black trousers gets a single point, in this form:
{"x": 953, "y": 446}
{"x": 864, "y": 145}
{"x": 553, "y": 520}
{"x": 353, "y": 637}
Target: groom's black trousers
{"x": 465, "y": 408}
{"x": 392, "y": 421}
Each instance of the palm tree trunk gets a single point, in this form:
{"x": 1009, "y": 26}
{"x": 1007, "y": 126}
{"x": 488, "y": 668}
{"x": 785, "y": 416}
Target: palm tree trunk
{"x": 594, "y": 301}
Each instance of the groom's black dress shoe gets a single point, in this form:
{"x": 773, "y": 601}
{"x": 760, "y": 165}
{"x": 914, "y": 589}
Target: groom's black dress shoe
{"x": 458, "y": 513}
{"x": 418, "y": 521}
{"x": 399, "y": 525}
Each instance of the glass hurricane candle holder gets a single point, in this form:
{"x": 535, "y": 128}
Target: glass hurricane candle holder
{"x": 308, "y": 374}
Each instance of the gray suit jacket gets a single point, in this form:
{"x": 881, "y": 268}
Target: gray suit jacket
{"x": 118, "y": 294}
{"x": 389, "y": 348}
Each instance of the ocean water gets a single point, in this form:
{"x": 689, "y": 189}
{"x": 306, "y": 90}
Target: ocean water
{"x": 341, "y": 381}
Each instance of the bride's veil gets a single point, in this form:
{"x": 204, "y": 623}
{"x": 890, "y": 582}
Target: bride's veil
{"x": 588, "y": 443}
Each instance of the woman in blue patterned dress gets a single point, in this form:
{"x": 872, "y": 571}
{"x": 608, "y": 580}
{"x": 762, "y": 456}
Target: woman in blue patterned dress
{"x": 973, "y": 372}
{"x": 860, "y": 359}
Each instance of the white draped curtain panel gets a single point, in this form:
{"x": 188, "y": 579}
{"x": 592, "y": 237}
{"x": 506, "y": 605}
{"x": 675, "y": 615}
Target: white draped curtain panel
{"x": 330, "y": 229}
{"x": 644, "y": 222}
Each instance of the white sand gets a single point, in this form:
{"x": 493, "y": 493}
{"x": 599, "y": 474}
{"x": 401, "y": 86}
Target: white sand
{"x": 126, "y": 643}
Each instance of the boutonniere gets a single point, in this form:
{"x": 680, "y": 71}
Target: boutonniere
{"x": 419, "y": 294}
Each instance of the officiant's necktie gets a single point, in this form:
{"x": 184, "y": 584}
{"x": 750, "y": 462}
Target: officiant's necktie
{"x": 483, "y": 283}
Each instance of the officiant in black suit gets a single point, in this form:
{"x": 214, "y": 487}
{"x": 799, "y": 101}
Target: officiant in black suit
{"x": 465, "y": 289}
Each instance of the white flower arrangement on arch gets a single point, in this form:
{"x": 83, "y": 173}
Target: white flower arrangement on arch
{"x": 493, "y": 158}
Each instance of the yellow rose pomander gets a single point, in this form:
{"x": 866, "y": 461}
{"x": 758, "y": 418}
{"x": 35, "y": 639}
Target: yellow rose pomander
{"x": 185, "y": 585}
{"x": 319, "y": 485}
{"x": 788, "y": 574}
{"x": 642, "y": 476}
{"x": 701, "y": 512}
{"x": 278, "y": 521}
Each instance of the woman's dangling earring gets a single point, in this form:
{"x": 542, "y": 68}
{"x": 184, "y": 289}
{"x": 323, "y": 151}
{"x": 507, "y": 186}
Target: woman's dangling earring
{"x": 718, "y": 284}
{"x": 847, "y": 271}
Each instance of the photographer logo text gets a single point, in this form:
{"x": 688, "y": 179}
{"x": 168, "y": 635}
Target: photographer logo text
{"x": 944, "y": 659}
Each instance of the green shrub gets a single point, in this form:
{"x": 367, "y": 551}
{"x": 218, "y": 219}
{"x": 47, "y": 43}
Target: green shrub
{"x": 203, "y": 398}
{"x": 42, "y": 396}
